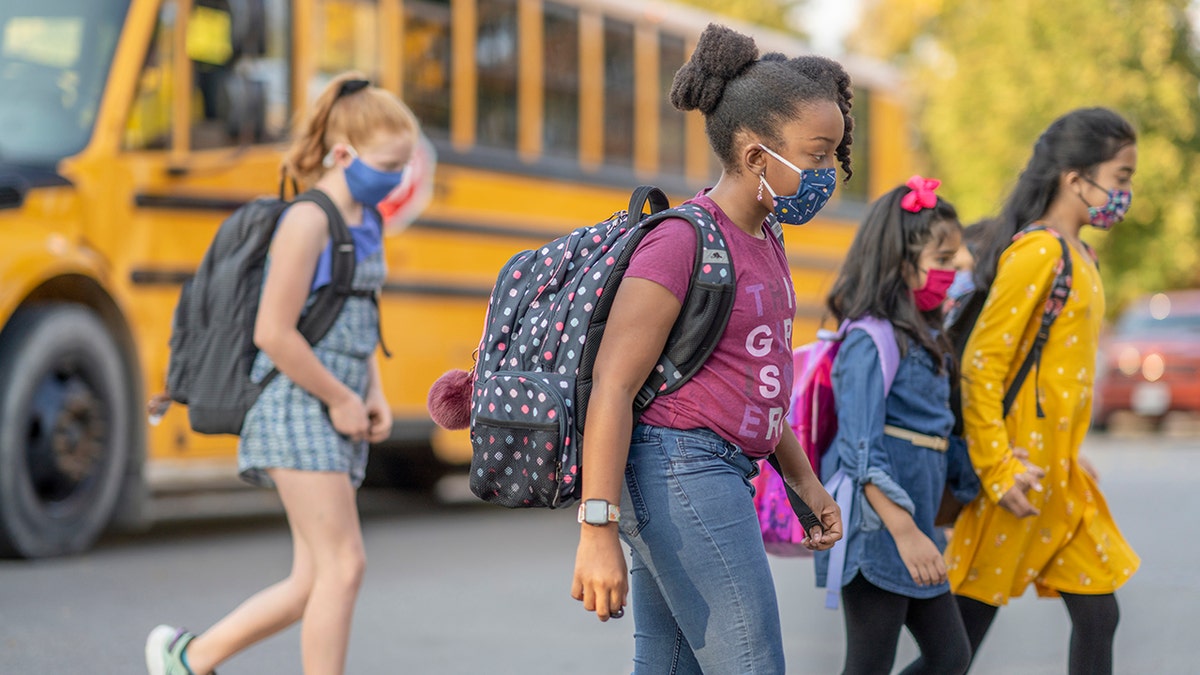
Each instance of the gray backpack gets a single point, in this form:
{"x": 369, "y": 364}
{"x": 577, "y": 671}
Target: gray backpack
{"x": 544, "y": 323}
{"x": 212, "y": 334}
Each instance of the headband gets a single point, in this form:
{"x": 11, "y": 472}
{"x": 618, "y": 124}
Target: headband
{"x": 352, "y": 86}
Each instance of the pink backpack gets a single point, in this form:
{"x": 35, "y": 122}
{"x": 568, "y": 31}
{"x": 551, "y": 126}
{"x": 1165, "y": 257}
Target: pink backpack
{"x": 814, "y": 419}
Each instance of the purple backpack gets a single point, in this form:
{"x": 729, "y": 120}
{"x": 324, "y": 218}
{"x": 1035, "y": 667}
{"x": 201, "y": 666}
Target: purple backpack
{"x": 814, "y": 419}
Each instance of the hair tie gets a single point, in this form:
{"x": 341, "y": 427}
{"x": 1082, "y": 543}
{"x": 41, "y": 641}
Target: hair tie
{"x": 352, "y": 86}
{"x": 921, "y": 195}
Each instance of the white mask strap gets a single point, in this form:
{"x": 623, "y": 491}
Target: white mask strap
{"x": 786, "y": 163}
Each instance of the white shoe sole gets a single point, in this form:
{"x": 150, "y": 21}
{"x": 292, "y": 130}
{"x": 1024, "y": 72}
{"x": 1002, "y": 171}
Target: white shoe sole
{"x": 156, "y": 649}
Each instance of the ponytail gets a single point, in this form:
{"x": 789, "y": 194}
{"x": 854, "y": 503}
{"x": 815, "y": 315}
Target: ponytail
{"x": 349, "y": 110}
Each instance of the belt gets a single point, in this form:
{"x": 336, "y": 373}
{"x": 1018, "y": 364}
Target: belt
{"x": 919, "y": 440}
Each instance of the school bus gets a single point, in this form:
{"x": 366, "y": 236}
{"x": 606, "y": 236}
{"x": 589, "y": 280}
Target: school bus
{"x": 130, "y": 128}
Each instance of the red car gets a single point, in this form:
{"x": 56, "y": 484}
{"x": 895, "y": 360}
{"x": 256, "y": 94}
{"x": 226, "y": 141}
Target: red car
{"x": 1150, "y": 362}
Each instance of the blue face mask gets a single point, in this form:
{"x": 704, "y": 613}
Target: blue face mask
{"x": 368, "y": 185}
{"x": 816, "y": 187}
{"x": 964, "y": 282}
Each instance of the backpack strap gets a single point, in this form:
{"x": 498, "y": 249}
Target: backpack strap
{"x": 644, "y": 194}
{"x": 1060, "y": 290}
{"x": 705, "y": 312}
{"x": 884, "y": 336}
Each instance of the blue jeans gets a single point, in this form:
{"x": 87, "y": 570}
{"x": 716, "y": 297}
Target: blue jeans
{"x": 702, "y": 594}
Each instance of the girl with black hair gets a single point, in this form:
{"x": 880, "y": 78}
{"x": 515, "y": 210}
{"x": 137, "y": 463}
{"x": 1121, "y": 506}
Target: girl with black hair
{"x": 676, "y": 485}
{"x": 1040, "y": 517}
{"x": 891, "y": 444}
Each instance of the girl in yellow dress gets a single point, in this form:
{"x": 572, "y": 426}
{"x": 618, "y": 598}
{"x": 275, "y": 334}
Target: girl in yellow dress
{"x": 1040, "y": 517}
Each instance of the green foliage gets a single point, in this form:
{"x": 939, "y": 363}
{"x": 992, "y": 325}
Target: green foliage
{"x": 771, "y": 13}
{"x": 988, "y": 77}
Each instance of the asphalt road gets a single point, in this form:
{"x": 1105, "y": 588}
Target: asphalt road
{"x": 467, "y": 588}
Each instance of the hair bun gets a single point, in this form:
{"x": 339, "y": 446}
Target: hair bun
{"x": 721, "y": 54}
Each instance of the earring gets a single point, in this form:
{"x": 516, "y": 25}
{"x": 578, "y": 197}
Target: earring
{"x": 760, "y": 187}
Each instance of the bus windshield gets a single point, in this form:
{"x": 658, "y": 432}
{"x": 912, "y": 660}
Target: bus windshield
{"x": 54, "y": 61}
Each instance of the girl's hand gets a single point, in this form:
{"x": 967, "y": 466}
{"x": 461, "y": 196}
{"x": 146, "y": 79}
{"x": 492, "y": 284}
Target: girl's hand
{"x": 379, "y": 417}
{"x": 601, "y": 578}
{"x": 826, "y": 510}
{"x": 921, "y": 556}
{"x": 1015, "y": 501}
{"x": 349, "y": 417}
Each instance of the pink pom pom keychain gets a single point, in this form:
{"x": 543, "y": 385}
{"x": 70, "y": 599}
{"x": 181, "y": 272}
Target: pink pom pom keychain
{"x": 449, "y": 400}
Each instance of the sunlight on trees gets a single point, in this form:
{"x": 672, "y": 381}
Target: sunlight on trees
{"x": 987, "y": 77}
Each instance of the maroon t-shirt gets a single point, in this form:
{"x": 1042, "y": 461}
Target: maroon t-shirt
{"x": 743, "y": 391}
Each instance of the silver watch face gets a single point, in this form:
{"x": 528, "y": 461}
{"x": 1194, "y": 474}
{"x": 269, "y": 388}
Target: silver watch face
{"x": 595, "y": 511}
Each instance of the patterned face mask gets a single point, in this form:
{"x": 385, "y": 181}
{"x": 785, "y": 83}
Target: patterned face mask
{"x": 1113, "y": 211}
{"x": 816, "y": 187}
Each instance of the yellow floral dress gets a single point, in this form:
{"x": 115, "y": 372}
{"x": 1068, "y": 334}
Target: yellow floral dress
{"x": 1073, "y": 545}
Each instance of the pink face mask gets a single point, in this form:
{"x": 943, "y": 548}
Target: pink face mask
{"x": 933, "y": 293}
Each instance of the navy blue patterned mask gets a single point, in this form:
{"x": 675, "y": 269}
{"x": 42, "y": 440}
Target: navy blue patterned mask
{"x": 816, "y": 187}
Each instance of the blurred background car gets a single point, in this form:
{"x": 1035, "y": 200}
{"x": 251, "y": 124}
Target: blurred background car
{"x": 1150, "y": 361}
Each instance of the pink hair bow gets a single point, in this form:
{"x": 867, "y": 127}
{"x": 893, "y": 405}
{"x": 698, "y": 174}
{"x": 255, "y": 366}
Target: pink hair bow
{"x": 921, "y": 196}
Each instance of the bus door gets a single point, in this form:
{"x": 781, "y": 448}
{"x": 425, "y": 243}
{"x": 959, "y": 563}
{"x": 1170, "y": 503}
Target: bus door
{"x": 203, "y": 135}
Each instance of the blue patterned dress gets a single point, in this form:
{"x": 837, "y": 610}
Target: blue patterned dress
{"x": 288, "y": 427}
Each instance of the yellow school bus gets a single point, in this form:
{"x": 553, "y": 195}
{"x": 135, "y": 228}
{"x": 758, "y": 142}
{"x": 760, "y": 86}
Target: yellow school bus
{"x": 130, "y": 128}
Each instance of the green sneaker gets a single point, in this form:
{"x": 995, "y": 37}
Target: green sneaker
{"x": 164, "y": 651}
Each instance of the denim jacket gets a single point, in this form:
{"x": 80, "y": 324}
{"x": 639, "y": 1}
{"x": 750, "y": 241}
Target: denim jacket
{"x": 913, "y": 477}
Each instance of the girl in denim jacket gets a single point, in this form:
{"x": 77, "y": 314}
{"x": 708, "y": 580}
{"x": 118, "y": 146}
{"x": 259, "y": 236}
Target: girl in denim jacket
{"x": 892, "y": 447}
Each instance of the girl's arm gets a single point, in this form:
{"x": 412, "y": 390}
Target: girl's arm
{"x": 302, "y": 234}
{"x": 993, "y": 354}
{"x": 799, "y": 475}
{"x": 861, "y": 412}
{"x": 379, "y": 411}
{"x": 920, "y": 555}
{"x": 638, "y": 324}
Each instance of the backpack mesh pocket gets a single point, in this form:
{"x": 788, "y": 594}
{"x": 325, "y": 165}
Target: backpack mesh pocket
{"x": 525, "y": 452}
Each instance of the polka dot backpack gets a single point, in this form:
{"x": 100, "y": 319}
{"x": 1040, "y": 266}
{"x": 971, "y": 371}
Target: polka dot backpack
{"x": 544, "y": 323}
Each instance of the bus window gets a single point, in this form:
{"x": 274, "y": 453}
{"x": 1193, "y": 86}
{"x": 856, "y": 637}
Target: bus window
{"x": 618, "y": 93}
{"x": 54, "y": 61}
{"x": 672, "y": 54}
{"x": 496, "y": 57}
{"x": 561, "y": 59}
{"x": 427, "y": 71}
{"x": 347, "y": 38}
{"x": 240, "y": 72}
{"x": 148, "y": 126}
{"x": 241, "y": 89}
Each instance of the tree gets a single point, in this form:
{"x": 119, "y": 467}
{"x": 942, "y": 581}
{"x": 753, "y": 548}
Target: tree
{"x": 988, "y": 77}
{"x": 770, "y": 13}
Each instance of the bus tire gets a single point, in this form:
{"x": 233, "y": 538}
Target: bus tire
{"x": 65, "y": 430}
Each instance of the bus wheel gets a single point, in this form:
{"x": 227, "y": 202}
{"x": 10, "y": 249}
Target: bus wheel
{"x": 64, "y": 431}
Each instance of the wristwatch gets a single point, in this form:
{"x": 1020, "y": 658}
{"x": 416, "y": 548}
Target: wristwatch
{"x": 598, "y": 512}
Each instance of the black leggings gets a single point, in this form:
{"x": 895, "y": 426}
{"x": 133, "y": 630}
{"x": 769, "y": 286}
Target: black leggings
{"x": 873, "y": 621}
{"x": 1093, "y": 624}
